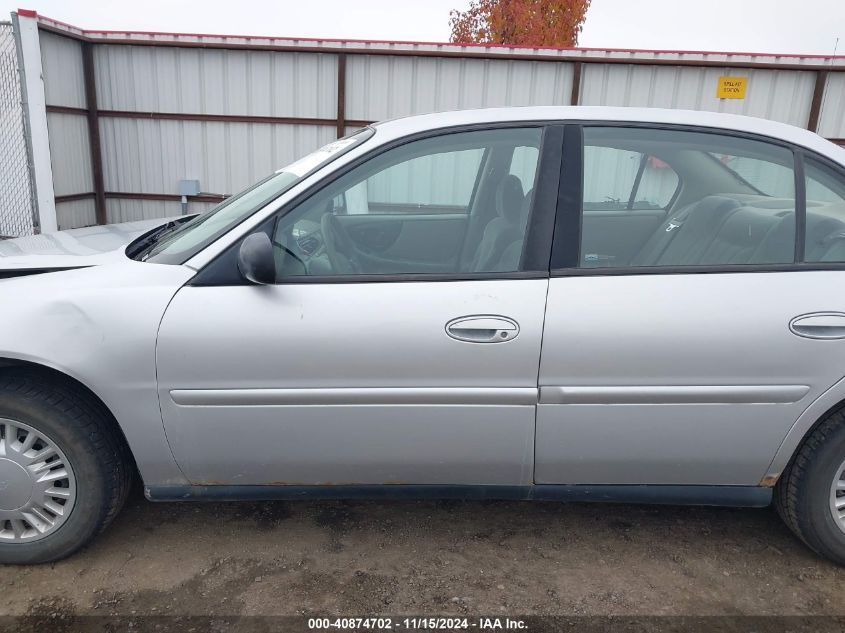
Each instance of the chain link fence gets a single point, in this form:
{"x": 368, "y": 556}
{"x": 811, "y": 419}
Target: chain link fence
{"x": 17, "y": 202}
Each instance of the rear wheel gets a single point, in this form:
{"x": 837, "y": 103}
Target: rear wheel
{"x": 64, "y": 471}
{"x": 811, "y": 493}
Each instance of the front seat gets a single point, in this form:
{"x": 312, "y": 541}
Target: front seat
{"x": 502, "y": 230}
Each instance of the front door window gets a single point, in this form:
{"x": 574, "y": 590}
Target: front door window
{"x": 456, "y": 203}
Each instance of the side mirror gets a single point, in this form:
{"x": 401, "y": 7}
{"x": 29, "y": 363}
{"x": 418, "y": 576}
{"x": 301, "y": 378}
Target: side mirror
{"x": 256, "y": 261}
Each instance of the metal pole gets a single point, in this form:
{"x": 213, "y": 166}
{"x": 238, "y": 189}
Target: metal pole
{"x": 94, "y": 132}
{"x": 818, "y": 97}
{"x": 33, "y": 101}
{"x": 341, "y": 95}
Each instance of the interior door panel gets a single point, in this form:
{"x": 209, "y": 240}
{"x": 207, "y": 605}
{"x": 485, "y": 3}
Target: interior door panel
{"x": 618, "y": 235}
{"x": 432, "y": 238}
{"x": 375, "y": 237}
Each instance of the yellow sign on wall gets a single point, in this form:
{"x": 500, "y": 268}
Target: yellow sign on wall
{"x": 732, "y": 87}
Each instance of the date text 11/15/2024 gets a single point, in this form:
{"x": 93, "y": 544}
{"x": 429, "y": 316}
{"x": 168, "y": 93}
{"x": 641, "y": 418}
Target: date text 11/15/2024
{"x": 430, "y": 623}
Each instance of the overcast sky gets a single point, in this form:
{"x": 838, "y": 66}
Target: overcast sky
{"x": 779, "y": 26}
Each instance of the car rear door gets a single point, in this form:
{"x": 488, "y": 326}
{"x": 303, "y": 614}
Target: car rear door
{"x": 679, "y": 366}
{"x": 362, "y": 365}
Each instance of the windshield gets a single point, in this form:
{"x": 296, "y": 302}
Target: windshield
{"x": 182, "y": 243}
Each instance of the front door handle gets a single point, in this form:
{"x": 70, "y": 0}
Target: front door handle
{"x": 482, "y": 328}
{"x": 819, "y": 325}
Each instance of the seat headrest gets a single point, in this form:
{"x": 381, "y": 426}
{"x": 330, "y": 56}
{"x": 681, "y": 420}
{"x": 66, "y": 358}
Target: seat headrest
{"x": 526, "y": 208}
{"x": 509, "y": 198}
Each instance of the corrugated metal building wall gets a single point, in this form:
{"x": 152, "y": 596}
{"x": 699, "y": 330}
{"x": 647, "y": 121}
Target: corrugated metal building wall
{"x": 130, "y": 114}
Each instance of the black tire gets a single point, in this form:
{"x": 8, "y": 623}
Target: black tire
{"x": 802, "y": 496}
{"x": 98, "y": 455}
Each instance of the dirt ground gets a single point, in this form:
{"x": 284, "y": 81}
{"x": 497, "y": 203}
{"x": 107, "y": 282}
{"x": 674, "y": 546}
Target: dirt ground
{"x": 367, "y": 558}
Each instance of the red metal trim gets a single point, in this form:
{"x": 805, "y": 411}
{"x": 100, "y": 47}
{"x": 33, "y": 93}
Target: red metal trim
{"x": 88, "y": 32}
{"x": 57, "y": 109}
{"x": 163, "y": 197}
{"x": 460, "y": 54}
{"x": 667, "y": 51}
{"x": 43, "y": 20}
{"x": 27, "y": 13}
{"x": 73, "y": 197}
{"x": 631, "y": 61}
{"x": 188, "y": 116}
{"x": 224, "y": 118}
{"x": 166, "y": 197}
{"x": 377, "y": 207}
{"x": 73, "y": 35}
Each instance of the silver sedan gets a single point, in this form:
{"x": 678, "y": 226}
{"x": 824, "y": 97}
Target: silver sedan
{"x": 582, "y": 304}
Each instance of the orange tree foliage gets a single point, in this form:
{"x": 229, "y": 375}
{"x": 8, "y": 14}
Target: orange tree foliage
{"x": 520, "y": 22}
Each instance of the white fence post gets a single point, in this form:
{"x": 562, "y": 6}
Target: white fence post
{"x": 25, "y": 24}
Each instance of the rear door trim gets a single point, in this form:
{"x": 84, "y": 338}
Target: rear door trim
{"x": 695, "y": 394}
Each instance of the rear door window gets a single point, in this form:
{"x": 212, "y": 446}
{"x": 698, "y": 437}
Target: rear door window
{"x": 825, "y": 234}
{"x": 616, "y": 179}
{"x": 717, "y": 199}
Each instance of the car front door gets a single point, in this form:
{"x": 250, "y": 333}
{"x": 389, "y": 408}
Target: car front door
{"x": 678, "y": 364}
{"x": 401, "y": 342}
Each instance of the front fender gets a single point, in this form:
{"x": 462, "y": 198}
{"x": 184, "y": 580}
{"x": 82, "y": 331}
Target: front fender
{"x": 99, "y": 325}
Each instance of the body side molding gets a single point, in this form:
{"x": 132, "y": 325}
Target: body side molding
{"x": 705, "y": 394}
{"x": 356, "y": 396}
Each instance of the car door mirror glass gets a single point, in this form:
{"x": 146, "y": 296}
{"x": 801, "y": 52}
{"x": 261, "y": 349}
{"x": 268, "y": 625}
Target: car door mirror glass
{"x": 255, "y": 259}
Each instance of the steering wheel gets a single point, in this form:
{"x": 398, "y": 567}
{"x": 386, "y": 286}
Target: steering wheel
{"x": 340, "y": 249}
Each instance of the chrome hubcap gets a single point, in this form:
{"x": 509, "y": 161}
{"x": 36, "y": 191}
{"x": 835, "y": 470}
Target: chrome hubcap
{"x": 37, "y": 485}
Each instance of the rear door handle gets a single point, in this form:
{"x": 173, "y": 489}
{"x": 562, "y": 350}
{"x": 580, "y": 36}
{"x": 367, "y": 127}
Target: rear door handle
{"x": 483, "y": 328}
{"x": 819, "y": 325}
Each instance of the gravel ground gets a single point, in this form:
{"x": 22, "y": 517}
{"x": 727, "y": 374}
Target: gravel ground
{"x": 367, "y": 558}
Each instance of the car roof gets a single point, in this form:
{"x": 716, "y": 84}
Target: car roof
{"x": 397, "y": 128}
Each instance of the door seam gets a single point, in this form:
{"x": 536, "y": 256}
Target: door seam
{"x": 537, "y": 382}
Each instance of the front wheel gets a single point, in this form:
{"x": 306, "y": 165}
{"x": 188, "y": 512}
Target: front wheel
{"x": 810, "y": 495}
{"x": 64, "y": 472}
